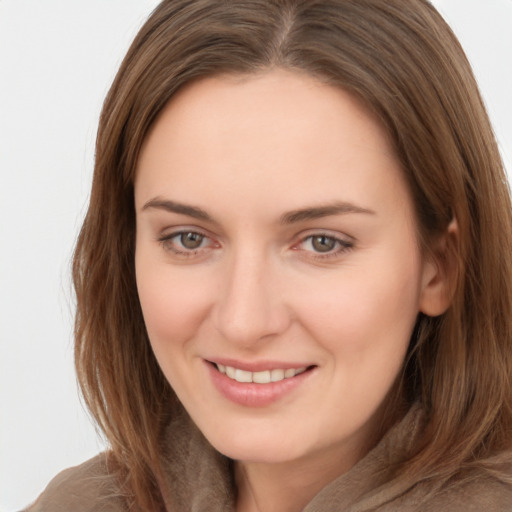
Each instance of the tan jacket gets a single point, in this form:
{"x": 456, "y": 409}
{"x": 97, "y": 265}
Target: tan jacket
{"x": 199, "y": 479}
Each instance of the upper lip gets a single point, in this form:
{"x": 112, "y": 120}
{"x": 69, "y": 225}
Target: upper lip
{"x": 259, "y": 366}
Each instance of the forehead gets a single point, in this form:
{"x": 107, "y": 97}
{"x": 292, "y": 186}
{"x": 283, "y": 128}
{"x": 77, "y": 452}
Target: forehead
{"x": 280, "y": 135}
{"x": 268, "y": 101}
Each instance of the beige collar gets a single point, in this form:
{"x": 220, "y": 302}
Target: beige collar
{"x": 198, "y": 478}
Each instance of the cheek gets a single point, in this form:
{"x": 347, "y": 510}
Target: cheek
{"x": 367, "y": 312}
{"x": 173, "y": 305}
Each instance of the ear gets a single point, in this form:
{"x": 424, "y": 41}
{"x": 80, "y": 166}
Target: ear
{"x": 440, "y": 270}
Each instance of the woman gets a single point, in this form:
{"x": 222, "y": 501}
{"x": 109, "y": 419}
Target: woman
{"x": 293, "y": 280}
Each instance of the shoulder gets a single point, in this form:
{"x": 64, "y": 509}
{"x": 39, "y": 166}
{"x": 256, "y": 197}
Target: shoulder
{"x": 89, "y": 487}
{"x": 480, "y": 493}
{"x": 483, "y": 493}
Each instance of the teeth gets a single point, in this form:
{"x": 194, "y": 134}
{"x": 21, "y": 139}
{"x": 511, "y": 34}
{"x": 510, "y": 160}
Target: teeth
{"x": 276, "y": 375}
{"x": 243, "y": 376}
{"x": 263, "y": 377}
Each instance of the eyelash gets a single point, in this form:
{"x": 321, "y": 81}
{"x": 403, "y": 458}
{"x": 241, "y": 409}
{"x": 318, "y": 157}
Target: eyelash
{"x": 167, "y": 243}
{"x": 341, "y": 246}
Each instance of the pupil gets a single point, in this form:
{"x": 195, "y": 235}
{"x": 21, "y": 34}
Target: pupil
{"x": 323, "y": 243}
{"x": 191, "y": 240}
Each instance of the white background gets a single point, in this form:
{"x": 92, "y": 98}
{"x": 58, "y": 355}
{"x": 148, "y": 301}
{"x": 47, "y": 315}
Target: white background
{"x": 57, "y": 60}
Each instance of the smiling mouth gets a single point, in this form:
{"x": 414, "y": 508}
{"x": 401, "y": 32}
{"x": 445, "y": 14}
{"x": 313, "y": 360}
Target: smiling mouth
{"x": 263, "y": 377}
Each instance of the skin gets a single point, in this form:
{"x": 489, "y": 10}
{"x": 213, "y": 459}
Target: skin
{"x": 337, "y": 290}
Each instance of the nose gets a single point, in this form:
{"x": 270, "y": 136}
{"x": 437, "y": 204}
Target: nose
{"x": 250, "y": 307}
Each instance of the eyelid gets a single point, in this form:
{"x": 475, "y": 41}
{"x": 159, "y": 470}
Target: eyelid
{"x": 173, "y": 230}
{"x": 344, "y": 243}
{"x": 166, "y": 236}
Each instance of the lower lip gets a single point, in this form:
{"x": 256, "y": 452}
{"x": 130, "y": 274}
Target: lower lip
{"x": 251, "y": 394}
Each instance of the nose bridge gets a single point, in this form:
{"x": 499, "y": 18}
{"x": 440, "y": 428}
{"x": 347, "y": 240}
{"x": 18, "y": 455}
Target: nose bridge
{"x": 249, "y": 306}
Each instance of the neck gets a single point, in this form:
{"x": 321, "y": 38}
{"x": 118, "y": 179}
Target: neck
{"x": 287, "y": 486}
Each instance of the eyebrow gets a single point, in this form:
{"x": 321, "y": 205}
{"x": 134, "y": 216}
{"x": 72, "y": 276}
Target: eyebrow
{"x": 302, "y": 214}
{"x": 317, "y": 212}
{"x": 174, "y": 207}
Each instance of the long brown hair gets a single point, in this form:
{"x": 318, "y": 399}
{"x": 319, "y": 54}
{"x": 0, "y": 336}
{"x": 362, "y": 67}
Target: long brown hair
{"x": 404, "y": 63}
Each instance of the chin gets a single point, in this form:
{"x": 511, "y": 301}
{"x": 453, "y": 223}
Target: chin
{"x": 259, "y": 443}
{"x": 268, "y": 453}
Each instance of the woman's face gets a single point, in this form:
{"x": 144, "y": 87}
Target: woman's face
{"x": 277, "y": 264}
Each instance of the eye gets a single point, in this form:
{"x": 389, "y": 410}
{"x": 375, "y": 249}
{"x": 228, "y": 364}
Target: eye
{"x": 324, "y": 245}
{"x": 190, "y": 240}
{"x": 186, "y": 243}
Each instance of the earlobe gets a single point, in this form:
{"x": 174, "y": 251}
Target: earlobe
{"x": 440, "y": 273}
